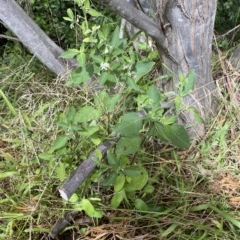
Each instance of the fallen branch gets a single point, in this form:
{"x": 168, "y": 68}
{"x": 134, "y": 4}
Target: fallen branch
{"x": 62, "y": 223}
{"x": 84, "y": 170}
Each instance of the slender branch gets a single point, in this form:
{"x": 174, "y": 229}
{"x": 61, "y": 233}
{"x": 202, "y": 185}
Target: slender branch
{"x": 8, "y": 37}
{"x": 138, "y": 19}
{"x": 228, "y": 32}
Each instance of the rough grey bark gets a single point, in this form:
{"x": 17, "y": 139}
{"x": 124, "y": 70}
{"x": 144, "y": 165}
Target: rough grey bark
{"x": 235, "y": 58}
{"x": 32, "y": 36}
{"x": 184, "y": 39}
{"x": 188, "y": 27}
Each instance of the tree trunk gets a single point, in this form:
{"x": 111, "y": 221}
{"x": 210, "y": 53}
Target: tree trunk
{"x": 32, "y": 36}
{"x": 188, "y": 27}
{"x": 183, "y": 31}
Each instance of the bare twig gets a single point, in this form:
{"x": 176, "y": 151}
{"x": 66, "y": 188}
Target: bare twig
{"x": 10, "y": 38}
{"x": 228, "y": 32}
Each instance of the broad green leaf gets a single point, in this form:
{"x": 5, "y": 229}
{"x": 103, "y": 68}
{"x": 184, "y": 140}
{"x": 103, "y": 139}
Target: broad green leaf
{"x": 143, "y": 46}
{"x": 128, "y": 145}
{"x": 7, "y": 174}
{"x": 98, "y": 154}
{"x": 97, "y": 214}
{"x": 70, "y": 53}
{"x": 115, "y": 65}
{"x": 71, "y": 113}
{"x": 102, "y": 98}
{"x": 189, "y": 84}
{"x": 94, "y": 13}
{"x": 95, "y": 139}
{"x": 80, "y": 76}
{"x": 73, "y": 198}
{"x": 85, "y": 114}
{"x": 104, "y": 77}
{"x": 117, "y": 52}
{"x": 132, "y": 171}
{"x": 168, "y": 120}
{"x": 148, "y": 189}
{"x": 88, "y": 131}
{"x": 81, "y": 59}
{"x": 119, "y": 183}
{"x": 112, "y": 78}
{"x": 97, "y": 58}
{"x": 143, "y": 67}
{"x": 140, "y": 205}
{"x": 137, "y": 182}
{"x": 110, "y": 179}
{"x": 67, "y": 19}
{"x": 154, "y": 95}
{"x": 117, "y": 199}
{"x": 124, "y": 161}
{"x": 115, "y": 41}
{"x": 131, "y": 83}
{"x": 60, "y": 142}
{"x": 130, "y": 125}
{"x": 178, "y": 103}
{"x": 153, "y": 55}
{"x": 77, "y": 206}
{"x": 106, "y": 30}
{"x": 161, "y": 131}
{"x": 87, "y": 39}
{"x": 113, "y": 102}
{"x": 60, "y": 169}
{"x": 100, "y": 35}
{"x": 86, "y": 4}
{"x": 88, "y": 207}
{"x": 75, "y": 127}
{"x": 179, "y": 136}
{"x": 70, "y": 13}
{"x": 46, "y": 156}
{"x": 181, "y": 77}
{"x": 111, "y": 158}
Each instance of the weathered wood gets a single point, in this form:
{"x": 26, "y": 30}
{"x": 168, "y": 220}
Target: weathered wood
{"x": 32, "y": 36}
{"x": 188, "y": 27}
{"x": 62, "y": 223}
{"x": 84, "y": 170}
{"x": 235, "y": 58}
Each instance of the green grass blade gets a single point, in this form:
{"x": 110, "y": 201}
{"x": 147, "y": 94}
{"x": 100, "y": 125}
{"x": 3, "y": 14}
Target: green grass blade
{"x": 10, "y": 106}
{"x": 225, "y": 215}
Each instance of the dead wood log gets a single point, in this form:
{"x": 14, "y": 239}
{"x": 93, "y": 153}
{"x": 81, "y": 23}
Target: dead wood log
{"x": 84, "y": 170}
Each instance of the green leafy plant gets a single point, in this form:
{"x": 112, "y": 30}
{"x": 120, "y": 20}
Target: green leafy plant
{"x": 153, "y": 114}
